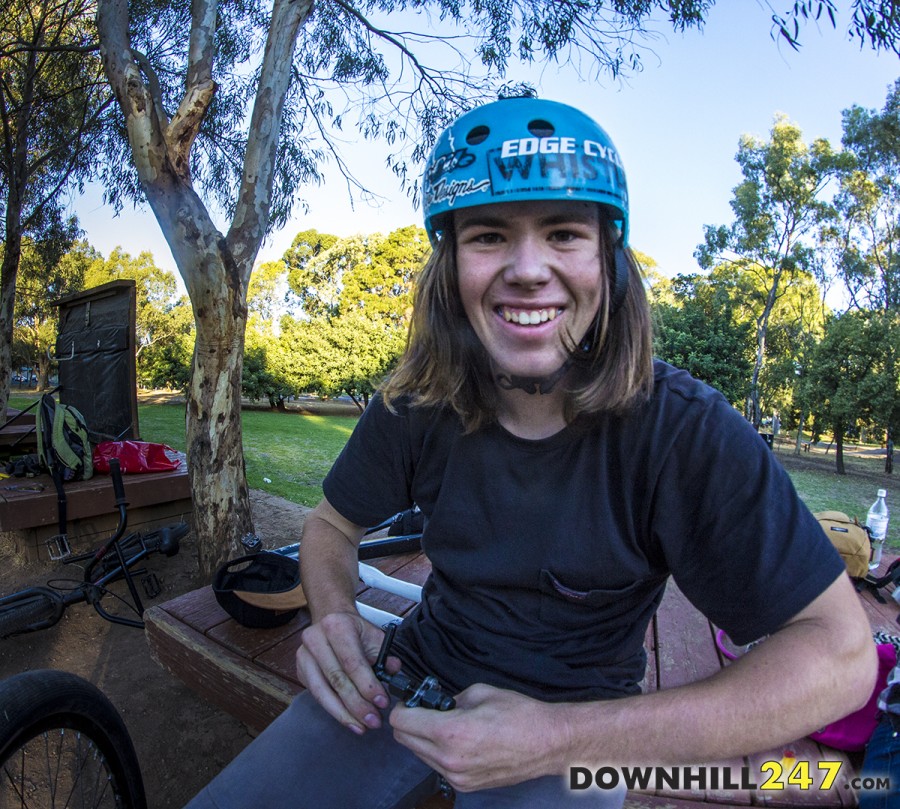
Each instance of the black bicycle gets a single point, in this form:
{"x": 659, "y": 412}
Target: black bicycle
{"x": 63, "y": 744}
{"x": 40, "y": 607}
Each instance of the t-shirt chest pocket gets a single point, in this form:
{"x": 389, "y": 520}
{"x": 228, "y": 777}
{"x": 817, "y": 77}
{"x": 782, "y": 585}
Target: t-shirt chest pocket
{"x": 572, "y": 609}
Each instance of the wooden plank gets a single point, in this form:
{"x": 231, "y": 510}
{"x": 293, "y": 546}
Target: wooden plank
{"x": 251, "y": 643}
{"x": 197, "y": 609}
{"x": 686, "y": 653}
{"x": 686, "y": 649}
{"x": 650, "y": 681}
{"x": 882, "y": 617}
{"x": 21, "y": 508}
{"x": 251, "y": 694}
{"x": 281, "y": 659}
{"x": 635, "y": 800}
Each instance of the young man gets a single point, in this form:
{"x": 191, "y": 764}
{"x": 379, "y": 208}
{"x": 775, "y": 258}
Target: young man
{"x": 564, "y": 477}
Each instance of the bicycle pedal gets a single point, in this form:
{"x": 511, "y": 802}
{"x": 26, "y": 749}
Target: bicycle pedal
{"x": 58, "y": 547}
{"x": 152, "y": 585}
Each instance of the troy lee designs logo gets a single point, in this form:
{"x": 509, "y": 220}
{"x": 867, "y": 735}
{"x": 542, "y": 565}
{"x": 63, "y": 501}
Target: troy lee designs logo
{"x": 446, "y": 163}
{"x": 450, "y": 191}
{"x": 444, "y": 190}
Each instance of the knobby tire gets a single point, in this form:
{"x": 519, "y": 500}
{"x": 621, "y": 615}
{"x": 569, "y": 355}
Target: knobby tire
{"x": 63, "y": 744}
{"x": 32, "y": 611}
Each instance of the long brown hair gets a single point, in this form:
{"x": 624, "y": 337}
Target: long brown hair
{"x": 446, "y": 364}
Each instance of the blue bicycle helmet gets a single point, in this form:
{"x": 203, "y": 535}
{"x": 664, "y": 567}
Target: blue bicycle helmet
{"x": 523, "y": 149}
{"x": 520, "y": 149}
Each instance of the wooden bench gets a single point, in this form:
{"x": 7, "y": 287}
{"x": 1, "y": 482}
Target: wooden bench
{"x": 18, "y": 434}
{"x": 29, "y": 514}
{"x": 250, "y": 674}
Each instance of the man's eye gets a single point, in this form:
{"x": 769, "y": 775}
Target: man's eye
{"x": 563, "y": 235}
{"x": 487, "y": 238}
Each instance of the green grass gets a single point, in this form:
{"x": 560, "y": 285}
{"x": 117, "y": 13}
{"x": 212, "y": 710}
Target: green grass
{"x": 823, "y": 489}
{"x": 162, "y": 424}
{"x": 292, "y": 450}
{"x": 295, "y": 451}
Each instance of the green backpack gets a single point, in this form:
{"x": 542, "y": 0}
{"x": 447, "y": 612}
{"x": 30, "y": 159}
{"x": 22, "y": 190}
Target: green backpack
{"x": 62, "y": 440}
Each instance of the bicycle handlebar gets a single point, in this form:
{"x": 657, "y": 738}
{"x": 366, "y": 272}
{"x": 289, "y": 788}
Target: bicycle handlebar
{"x": 115, "y": 472}
{"x": 122, "y": 504}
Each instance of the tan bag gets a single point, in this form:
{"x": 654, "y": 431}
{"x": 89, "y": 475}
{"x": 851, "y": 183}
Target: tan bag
{"x": 851, "y": 540}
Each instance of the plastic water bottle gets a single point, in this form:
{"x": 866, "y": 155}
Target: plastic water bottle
{"x": 877, "y": 523}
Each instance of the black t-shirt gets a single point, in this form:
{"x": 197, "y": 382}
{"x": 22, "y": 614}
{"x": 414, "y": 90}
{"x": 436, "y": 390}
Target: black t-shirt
{"x": 550, "y": 556}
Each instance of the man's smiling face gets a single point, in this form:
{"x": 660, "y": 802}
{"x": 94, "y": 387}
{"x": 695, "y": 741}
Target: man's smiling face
{"x": 529, "y": 280}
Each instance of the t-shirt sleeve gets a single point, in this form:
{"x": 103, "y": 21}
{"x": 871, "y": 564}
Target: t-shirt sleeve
{"x": 740, "y": 543}
{"x": 371, "y": 478}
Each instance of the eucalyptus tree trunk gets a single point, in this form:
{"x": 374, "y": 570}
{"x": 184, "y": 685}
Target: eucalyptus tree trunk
{"x": 215, "y": 267}
{"x": 8, "y": 272}
{"x": 839, "y": 448}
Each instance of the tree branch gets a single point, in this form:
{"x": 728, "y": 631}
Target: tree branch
{"x": 254, "y": 202}
{"x": 153, "y": 86}
{"x": 201, "y": 49}
{"x": 185, "y": 125}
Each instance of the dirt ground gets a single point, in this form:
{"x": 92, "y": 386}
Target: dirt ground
{"x": 182, "y": 741}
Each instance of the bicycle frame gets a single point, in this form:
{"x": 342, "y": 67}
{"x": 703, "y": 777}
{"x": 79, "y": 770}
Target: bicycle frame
{"x": 372, "y": 576}
{"x": 92, "y": 587}
{"x": 124, "y": 568}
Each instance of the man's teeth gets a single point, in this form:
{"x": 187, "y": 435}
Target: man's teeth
{"x": 532, "y": 317}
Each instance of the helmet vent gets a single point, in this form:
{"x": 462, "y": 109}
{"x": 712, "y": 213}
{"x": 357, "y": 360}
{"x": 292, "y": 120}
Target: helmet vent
{"x": 541, "y": 129}
{"x": 477, "y": 135}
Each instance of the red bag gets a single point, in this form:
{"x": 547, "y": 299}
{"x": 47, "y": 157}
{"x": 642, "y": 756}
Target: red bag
{"x": 851, "y": 733}
{"x": 136, "y": 457}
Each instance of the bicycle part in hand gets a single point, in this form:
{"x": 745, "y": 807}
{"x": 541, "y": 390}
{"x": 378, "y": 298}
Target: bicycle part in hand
{"x": 426, "y": 694}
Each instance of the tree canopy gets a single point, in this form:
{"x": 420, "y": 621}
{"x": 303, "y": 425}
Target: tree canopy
{"x": 53, "y": 115}
{"x": 352, "y": 298}
{"x": 778, "y": 211}
{"x": 696, "y": 330}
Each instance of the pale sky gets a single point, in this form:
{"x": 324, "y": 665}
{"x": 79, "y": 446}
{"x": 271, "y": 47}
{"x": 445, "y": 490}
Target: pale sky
{"x": 676, "y": 125}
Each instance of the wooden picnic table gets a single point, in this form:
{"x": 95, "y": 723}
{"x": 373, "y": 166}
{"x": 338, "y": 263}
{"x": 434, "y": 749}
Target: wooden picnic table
{"x": 250, "y": 674}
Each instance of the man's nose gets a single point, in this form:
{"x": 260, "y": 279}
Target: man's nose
{"x": 527, "y": 263}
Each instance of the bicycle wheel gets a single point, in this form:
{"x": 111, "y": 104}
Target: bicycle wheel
{"x": 30, "y": 610}
{"x": 62, "y": 744}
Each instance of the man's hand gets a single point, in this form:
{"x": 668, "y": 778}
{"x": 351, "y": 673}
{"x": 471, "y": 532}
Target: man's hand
{"x": 335, "y": 664}
{"x": 492, "y": 738}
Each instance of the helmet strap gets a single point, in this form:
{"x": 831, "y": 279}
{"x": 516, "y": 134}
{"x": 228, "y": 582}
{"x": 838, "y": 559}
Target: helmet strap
{"x": 618, "y": 287}
{"x": 533, "y": 384}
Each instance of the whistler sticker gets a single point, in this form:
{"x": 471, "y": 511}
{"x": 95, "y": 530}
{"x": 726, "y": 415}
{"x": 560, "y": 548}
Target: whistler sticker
{"x": 521, "y": 165}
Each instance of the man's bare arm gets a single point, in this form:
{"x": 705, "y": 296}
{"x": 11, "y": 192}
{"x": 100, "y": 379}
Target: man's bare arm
{"x": 339, "y": 647}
